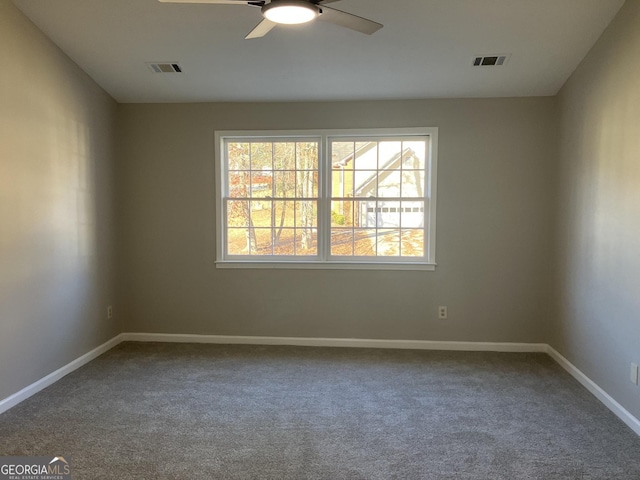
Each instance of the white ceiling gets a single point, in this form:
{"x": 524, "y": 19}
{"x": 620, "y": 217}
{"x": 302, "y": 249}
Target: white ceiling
{"x": 425, "y": 49}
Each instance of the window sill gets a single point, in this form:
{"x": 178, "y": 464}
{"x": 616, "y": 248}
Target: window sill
{"x": 326, "y": 265}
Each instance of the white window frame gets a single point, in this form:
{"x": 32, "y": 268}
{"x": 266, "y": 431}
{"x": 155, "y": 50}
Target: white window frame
{"x": 324, "y": 259}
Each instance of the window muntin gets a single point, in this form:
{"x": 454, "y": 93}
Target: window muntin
{"x": 331, "y": 199}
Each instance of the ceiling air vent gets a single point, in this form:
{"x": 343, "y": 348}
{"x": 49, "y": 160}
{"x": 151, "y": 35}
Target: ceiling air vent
{"x": 165, "y": 67}
{"x": 491, "y": 60}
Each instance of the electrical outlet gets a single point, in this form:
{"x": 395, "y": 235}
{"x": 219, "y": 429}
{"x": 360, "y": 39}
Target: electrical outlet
{"x": 442, "y": 312}
{"x": 109, "y": 312}
{"x": 634, "y": 374}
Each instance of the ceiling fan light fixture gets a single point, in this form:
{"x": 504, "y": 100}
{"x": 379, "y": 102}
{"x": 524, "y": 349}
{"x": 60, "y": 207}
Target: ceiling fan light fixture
{"x": 290, "y": 12}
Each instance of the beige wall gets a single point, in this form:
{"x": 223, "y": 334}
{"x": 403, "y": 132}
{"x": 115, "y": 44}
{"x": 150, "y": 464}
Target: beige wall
{"x": 598, "y": 324}
{"x": 56, "y": 148}
{"x": 496, "y": 160}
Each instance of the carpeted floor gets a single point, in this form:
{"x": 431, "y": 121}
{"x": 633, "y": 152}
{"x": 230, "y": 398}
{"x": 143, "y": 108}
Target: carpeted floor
{"x": 179, "y": 411}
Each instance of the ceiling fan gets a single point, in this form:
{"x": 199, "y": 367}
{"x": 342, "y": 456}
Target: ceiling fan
{"x": 293, "y": 12}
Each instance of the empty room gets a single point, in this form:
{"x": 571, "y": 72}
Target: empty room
{"x": 320, "y": 239}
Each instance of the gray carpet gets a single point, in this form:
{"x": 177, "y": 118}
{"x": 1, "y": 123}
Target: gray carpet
{"x": 156, "y": 411}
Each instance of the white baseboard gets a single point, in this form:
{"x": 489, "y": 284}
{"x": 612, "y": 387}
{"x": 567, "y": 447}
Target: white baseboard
{"x": 589, "y": 384}
{"x": 622, "y": 413}
{"x": 53, "y": 377}
{"x": 338, "y": 342}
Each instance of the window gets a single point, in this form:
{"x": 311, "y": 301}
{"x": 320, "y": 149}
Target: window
{"x": 327, "y": 199}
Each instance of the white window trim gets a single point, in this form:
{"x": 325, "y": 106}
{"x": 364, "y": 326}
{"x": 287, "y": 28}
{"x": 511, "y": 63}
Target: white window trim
{"x": 305, "y": 262}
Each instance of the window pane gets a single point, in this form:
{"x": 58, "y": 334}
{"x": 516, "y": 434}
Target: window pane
{"x": 389, "y": 183}
{"x": 261, "y": 156}
{"x": 261, "y": 213}
{"x": 341, "y": 183}
{"x": 366, "y": 156}
{"x": 306, "y": 214}
{"x": 365, "y": 214}
{"x": 261, "y": 184}
{"x": 365, "y": 183}
{"x": 412, "y": 243}
{"x": 365, "y": 242}
{"x": 342, "y": 241}
{"x": 307, "y": 155}
{"x": 342, "y": 213}
{"x": 284, "y": 156}
{"x": 238, "y": 155}
{"x": 238, "y": 241}
{"x": 261, "y": 244}
{"x": 342, "y": 154}
{"x": 237, "y": 213}
{"x": 388, "y": 243}
{"x": 239, "y": 184}
{"x": 388, "y": 214}
{"x": 284, "y": 241}
{"x": 306, "y": 241}
{"x": 414, "y": 155}
{"x": 307, "y": 184}
{"x": 412, "y": 214}
{"x": 389, "y": 155}
{"x": 412, "y": 183}
{"x": 284, "y": 214}
{"x": 285, "y": 183}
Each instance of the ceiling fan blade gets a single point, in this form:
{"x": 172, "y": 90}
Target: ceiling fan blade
{"x": 261, "y": 29}
{"x": 348, "y": 20}
{"x": 218, "y": 2}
